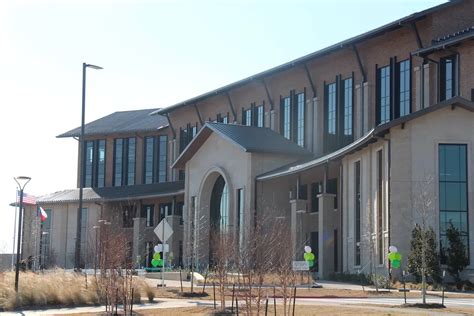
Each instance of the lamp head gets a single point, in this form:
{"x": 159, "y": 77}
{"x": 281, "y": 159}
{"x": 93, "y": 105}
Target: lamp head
{"x": 93, "y": 66}
{"x": 22, "y": 181}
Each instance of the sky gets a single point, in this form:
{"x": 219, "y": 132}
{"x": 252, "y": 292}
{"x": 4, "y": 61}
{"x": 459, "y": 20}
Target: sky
{"x": 154, "y": 54}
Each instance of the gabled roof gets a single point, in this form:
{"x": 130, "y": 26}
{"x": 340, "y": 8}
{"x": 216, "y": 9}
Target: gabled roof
{"x": 112, "y": 194}
{"x": 368, "y": 138}
{"x": 447, "y": 41}
{"x": 247, "y": 138}
{"x": 122, "y": 122}
{"x": 325, "y": 51}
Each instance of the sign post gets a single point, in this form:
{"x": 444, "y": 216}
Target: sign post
{"x": 164, "y": 232}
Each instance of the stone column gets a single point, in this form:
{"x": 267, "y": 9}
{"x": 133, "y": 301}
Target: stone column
{"x": 298, "y": 210}
{"x": 138, "y": 242}
{"x": 326, "y": 223}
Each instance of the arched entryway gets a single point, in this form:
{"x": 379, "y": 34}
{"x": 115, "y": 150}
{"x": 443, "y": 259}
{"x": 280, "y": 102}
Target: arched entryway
{"x": 219, "y": 214}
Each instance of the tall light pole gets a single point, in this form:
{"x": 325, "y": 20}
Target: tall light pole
{"x": 82, "y": 156}
{"x": 22, "y": 181}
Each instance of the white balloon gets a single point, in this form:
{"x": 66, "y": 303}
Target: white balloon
{"x": 392, "y": 249}
{"x": 157, "y": 249}
{"x": 307, "y": 249}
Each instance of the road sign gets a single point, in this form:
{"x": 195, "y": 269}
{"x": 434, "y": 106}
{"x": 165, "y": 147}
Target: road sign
{"x": 163, "y": 230}
{"x": 159, "y": 248}
{"x": 300, "y": 266}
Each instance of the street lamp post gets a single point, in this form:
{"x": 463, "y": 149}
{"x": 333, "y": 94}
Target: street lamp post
{"x": 82, "y": 151}
{"x": 22, "y": 181}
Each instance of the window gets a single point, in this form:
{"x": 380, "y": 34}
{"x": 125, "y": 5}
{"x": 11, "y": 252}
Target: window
{"x": 332, "y": 188}
{"x": 165, "y": 210}
{"x": 357, "y": 208}
{"x": 225, "y": 119}
{"x": 128, "y": 214}
{"x": 131, "y": 161}
{"x": 124, "y": 161}
{"x": 224, "y": 209}
{"x": 186, "y": 135}
{"x": 453, "y": 194}
{"x": 300, "y": 102}
{"x": 347, "y": 100}
{"x": 89, "y": 163}
{"x": 315, "y": 191}
{"x": 286, "y": 117}
{"x": 380, "y": 206}
{"x": 240, "y": 210}
{"x": 84, "y": 241}
{"x": 383, "y": 92}
{"x": 404, "y": 94}
{"x": 179, "y": 212}
{"x": 303, "y": 192}
{"x": 260, "y": 116}
{"x": 148, "y": 164}
{"x": 149, "y": 250}
{"x": 155, "y": 159}
{"x": 247, "y": 116}
{"x": 331, "y": 108}
{"x": 447, "y": 77}
{"x": 94, "y": 167}
{"x": 45, "y": 239}
{"x": 148, "y": 213}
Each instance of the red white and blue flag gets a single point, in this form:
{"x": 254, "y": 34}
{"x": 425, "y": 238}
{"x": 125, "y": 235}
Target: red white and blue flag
{"x": 27, "y": 198}
{"x": 42, "y": 214}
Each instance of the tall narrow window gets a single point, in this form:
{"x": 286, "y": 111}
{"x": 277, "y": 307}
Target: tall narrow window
{"x": 101, "y": 164}
{"x": 383, "y": 102}
{"x": 300, "y": 101}
{"x": 453, "y": 193}
{"x": 149, "y": 253}
{"x": 447, "y": 77}
{"x": 357, "y": 208}
{"x": 347, "y": 83}
{"x": 331, "y": 108}
{"x": 404, "y": 88}
{"x": 45, "y": 240}
{"x": 148, "y": 213}
{"x": 124, "y": 161}
{"x": 225, "y": 119}
{"x": 131, "y": 142}
{"x": 89, "y": 165}
{"x": 380, "y": 206}
{"x": 332, "y": 188}
{"x": 162, "y": 158}
{"x": 84, "y": 235}
{"x": 240, "y": 216}
{"x": 315, "y": 191}
{"x": 260, "y": 116}
{"x": 149, "y": 159}
{"x": 286, "y": 121}
{"x": 118, "y": 161}
{"x": 128, "y": 214}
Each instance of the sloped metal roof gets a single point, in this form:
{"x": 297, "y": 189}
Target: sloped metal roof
{"x": 110, "y": 194}
{"x": 247, "y": 138}
{"x": 122, "y": 122}
{"x": 325, "y": 51}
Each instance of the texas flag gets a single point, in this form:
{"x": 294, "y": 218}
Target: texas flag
{"x": 43, "y": 215}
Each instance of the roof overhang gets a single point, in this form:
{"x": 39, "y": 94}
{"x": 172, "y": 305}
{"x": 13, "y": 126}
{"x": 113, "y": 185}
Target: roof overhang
{"x": 370, "y": 137}
{"x": 444, "y": 44}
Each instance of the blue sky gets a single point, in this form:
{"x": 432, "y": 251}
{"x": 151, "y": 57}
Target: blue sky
{"x": 154, "y": 54}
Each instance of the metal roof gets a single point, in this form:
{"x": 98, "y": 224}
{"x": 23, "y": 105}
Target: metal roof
{"x": 371, "y": 136}
{"x": 447, "y": 41}
{"x": 111, "y": 194}
{"x": 122, "y": 122}
{"x": 302, "y": 60}
{"x": 247, "y": 138}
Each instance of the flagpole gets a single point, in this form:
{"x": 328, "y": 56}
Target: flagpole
{"x": 14, "y": 228}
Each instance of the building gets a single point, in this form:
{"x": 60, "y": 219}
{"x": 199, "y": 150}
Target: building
{"x": 350, "y": 146}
